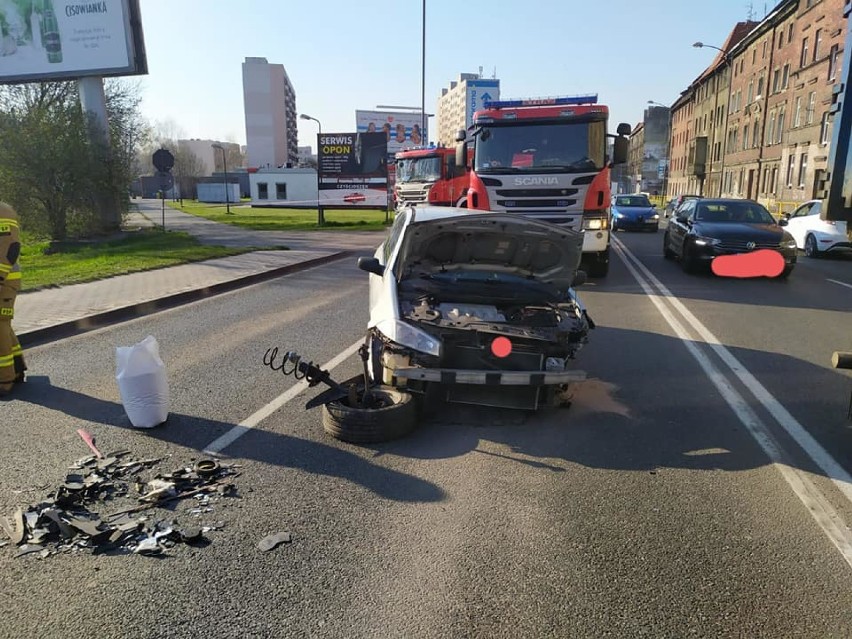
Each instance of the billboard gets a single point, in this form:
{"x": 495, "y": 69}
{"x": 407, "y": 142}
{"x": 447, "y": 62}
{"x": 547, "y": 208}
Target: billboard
{"x": 401, "y": 129}
{"x": 353, "y": 170}
{"x": 43, "y": 40}
{"x": 478, "y": 91}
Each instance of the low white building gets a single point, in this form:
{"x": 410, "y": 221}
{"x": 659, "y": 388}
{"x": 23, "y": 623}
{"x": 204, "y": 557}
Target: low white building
{"x": 294, "y": 188}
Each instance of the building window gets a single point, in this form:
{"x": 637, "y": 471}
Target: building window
{"x": 753, "y": 56}
{"x": 745, "y": 137}
{"x": 797, "y": 118}
{"x": 780, "y": 39}
{"x": 763, "y": 54}
{"x": 262, "y": 191}
{"x": 803, "y": 60}
{"x": 790, "y": 33}
{"x": 770, "y": 135}
{"x": 785, "y": 77}
{"x": 803, "y": 167}
{"x": 832, "y": 63}
{"x": 811, "y": 107}
{"x": 773, "y": 181}
{"x": 759, "y": 87}
{"x": 823, "y": 129}
{"x": 780, "y": 126}
{"x": 755, "y": 140}
{"x": 791, "y": 165}
{"x": 750, "y": 97}
{"x": 280, "y": 191}
{"x": 776, "y": 81}
{"x": 817, "y": 43}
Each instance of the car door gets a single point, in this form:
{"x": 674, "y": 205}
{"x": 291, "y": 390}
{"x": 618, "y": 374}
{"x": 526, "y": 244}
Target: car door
{"x": 678, "y": 227}
{"x": 799, "y": 223}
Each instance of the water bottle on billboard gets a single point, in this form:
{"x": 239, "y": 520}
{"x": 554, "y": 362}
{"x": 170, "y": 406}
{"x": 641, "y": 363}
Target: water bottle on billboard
{"x": 50, "y": 34}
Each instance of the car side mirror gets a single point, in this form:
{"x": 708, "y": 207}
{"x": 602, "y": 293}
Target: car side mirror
{"x": 371, "y": 265}
{"x": 783, "y": 221}
{"x": 579, "y": 279}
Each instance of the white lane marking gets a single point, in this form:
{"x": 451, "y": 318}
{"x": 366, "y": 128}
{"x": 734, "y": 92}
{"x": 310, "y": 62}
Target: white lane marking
{"x": 220, "y": 444}
{"x": 841, "y": 283}
{"x": 816, "y": 503}
{"x": 832, "y": 469}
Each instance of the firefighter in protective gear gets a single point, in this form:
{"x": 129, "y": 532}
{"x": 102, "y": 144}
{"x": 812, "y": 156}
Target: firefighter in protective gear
{"x": 12, "y": 365}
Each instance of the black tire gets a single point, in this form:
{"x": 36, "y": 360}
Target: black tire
{"x": 786, "y": 272}
{"x": 667, "y": 252}
{"x": 687, "y": 261}
{"x": 811, "y": 247}
{"x": 599, "y": 265}
{"x": 598, "y": 268}
{"x": 371, "y": 425}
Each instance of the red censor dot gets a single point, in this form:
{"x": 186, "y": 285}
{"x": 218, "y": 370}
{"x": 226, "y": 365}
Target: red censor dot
{"x": 501, "y": 347}
{"x": 762, "y": 263}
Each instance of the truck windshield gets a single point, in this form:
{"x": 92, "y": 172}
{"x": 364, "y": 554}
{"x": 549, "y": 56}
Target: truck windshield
{"x": 575, "y": 147}
{"x": 423, "y": 169}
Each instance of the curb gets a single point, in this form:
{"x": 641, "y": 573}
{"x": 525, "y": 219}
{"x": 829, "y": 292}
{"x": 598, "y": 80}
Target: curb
{"x": 70, "y": 328}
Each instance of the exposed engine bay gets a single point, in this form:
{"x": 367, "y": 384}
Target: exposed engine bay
{"x": 556, "y": 329}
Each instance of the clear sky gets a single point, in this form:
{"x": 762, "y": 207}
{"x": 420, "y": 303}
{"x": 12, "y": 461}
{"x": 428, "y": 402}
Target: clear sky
{"x": 343, "y": 55}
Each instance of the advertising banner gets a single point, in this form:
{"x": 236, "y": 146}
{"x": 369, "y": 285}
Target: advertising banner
{"x": 478, "y": 91}
{"x": 353, "y": 170}
{"x": 402, "y": 130}
{"x": 44, "y": 40}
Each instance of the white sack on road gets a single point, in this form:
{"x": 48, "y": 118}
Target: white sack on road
{"x": 142, "y": 382}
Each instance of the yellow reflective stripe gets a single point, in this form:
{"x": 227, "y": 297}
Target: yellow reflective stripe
{"x": 17, "y": 350}
{"x": 7, "y": 312}
{"x": 5, "y": 268}
{"x": 15, "y": 275}
{"x": 10, "y": 221}
{"x": 6, "y": 361}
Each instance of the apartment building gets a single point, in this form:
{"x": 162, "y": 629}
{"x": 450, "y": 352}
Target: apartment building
{"x": 460, "y": 100}
{"x": 816, "y": 48}
{"x": 270, "y": 112}
{"x": 759, "y": 116}
{"x": 681, "y": 181}
{"x": 759, "y": 71}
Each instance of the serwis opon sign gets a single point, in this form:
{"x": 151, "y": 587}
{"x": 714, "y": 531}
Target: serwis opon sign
{"x": 44, "y": 40}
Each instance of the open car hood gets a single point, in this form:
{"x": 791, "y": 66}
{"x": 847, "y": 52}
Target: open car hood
{"x": 492, "y": 243}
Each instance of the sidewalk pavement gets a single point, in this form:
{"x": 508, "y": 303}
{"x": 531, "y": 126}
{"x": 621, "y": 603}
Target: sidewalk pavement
{"x": 59, "y": 312}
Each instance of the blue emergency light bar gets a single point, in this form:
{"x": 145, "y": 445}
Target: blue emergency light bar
{"x": 568, "y": 99}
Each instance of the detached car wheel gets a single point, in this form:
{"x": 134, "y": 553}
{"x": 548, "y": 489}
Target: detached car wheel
{"x": 394, "y": 416}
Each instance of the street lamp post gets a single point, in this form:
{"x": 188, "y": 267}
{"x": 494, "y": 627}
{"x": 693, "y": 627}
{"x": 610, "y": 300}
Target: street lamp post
{"x": 320, "y": 212}
{"x": 668, "y": 146}
{"x": 699, "y": 45}
{"x": 225, "y": 167}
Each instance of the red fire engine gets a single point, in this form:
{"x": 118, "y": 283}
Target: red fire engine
{"x": 546, "y": 158}
{"x": 429, "y": 175}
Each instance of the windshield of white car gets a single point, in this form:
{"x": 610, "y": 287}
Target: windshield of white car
{"x": 733, "y": 212}
{"x": 575, "y": 147}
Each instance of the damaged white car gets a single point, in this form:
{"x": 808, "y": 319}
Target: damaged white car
{"x": 475, "y": 308}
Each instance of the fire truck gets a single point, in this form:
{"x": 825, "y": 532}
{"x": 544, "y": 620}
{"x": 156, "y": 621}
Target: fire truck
{"x": 429, "y": 175}
{"x": 546, "y": 158}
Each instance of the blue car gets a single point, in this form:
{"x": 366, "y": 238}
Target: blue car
{"x": 634, "y": 213}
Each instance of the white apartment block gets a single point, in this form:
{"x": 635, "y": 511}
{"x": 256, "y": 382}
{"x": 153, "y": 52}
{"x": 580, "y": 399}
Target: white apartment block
{"x": 270, "y": 112}
{"x": 459, "y": 100}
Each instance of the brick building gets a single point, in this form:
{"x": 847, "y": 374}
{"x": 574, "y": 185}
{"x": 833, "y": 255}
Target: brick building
{"x": 777, "y": 127}
{"x": 816, "y": 50}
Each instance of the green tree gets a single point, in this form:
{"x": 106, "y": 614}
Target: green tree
{"x": 52, "y": 171}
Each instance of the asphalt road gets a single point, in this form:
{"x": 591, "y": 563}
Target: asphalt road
{"x": 647, "y": 508}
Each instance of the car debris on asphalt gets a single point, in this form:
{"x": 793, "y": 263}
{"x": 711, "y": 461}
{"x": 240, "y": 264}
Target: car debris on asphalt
{"x": 68, "y": 519}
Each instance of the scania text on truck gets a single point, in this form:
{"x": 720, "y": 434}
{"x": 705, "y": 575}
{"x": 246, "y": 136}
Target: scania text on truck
{"x": 429, "y": 175}
{"x": 547, "y": 159}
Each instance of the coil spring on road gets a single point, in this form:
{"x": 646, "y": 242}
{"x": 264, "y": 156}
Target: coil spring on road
{"x": 300, "y": 369}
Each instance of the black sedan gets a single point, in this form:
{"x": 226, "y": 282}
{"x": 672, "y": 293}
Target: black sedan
{"x": 703, "y": 229}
